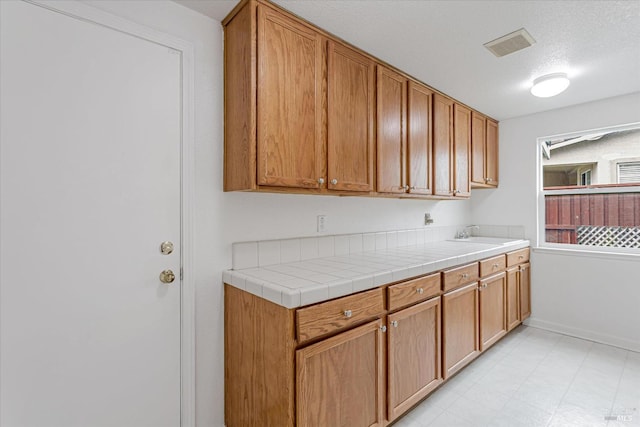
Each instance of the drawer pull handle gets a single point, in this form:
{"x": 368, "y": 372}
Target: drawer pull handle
{"x": 383, "y": 328}
{"x": 348, "y": 313}
{"x": 394, "y": 323}
{"x": 420, "y": 291}
{"x": 495, "y": 265}
{"x": 520, "y": 256}
{"x": 464, "y": 275}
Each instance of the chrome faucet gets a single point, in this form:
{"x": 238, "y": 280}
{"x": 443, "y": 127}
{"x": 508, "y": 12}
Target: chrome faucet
{"x": 465, "y": 233}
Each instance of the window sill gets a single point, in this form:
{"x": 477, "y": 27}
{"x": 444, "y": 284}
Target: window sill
{"x": 623, "y": 254}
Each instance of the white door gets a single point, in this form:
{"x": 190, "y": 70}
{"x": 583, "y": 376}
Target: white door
{"x": 90, "y": 188}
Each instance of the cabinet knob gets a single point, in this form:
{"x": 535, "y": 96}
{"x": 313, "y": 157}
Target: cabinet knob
{"x": 406, "y": 188}
{"x": 464, "y": 275}
{"x": 394, "y": 323}
{"x": 495, "y": 266}
{"x": 334, "y": 181}
{"x": 320, "y": 181}
{"x": 383, "y": 328}
{"x": 420, "y": 291}
{"x": 488, "y": 179}
{"x": 348, "y": 313}
{"x": 520, "y": 256}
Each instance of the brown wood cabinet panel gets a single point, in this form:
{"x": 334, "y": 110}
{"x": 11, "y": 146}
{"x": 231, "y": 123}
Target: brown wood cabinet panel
{"x": 524, "y": 279}
{"x": 414, "y": 350}
{"x": 331, "y": 316}
{"x": 290, "y": 132}
{"x": 493, "y": 320}
{"x": 442, "y": 145}
{"x": 492, "y": 265}
{"x": 259, "y": 385}
{"x": 513, "y": 298}
{"x": 461, "y": 150}
{"x": 350, "y": 119}
{"x": 492, "y": 153}
{"x": 391, "y": 134}
{"x": 340, "y": 380}
{"x": 478, "y": 148}
{"x": 456, "y": 277}
{"x": 240, "y": 101}
{"x": 518, "y": 257}
{"x": 419, "y": 139}
{"x": 460, "y": 332}
{"x": 413, "y": 291}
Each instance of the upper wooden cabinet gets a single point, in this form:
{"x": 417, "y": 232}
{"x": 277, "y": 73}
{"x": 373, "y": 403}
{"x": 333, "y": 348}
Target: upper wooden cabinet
{"x": 307, "y": 113}
{"x": 461, "y": 149}
{"x": 419, "y": 139}
{"x": 350, "y": 118}
{"x": 391, "y": 135}
{"x": 442, "y": 145}
{"x": 404, "y": 134}
{"x": 484, "y": 151}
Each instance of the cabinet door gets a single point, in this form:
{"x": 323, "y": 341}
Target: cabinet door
{"x": 525, "y": 290}
{"x": 491, "y": 177}
{"x": 391, "y": 135}
{"x": 350, "y": 139}
{"x": 414, "y": 367}
{"x": 461, "y": 148}
{"x": 442, "y": 145}
{"x": 419, "y": 139}
{"x": 478, "y": 147}
{"x": 459, "y": 328}
{"x": 493, "y": 321}
{"x": 290, "y": 136}
{"x": 340, "y": 380}
{"x": 513, "y": 298}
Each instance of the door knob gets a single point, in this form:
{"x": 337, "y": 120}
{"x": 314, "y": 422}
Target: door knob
{"x": 166, "y": 247}
{"x": 167, "y": 276}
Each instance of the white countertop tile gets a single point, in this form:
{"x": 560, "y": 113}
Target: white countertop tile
{"x": 313, "y": 278}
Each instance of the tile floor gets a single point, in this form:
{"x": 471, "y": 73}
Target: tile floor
{"x": 538, "y": 378}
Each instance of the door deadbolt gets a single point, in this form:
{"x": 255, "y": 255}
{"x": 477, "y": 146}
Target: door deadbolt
{"x": 167, "y": 276}
{"x": 166, "y": 247}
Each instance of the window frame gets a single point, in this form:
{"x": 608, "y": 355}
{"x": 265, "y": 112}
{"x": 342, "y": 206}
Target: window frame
{"x": 541, "y": 243}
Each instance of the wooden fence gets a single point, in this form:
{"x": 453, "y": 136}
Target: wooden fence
{"x": 564, "y": 213}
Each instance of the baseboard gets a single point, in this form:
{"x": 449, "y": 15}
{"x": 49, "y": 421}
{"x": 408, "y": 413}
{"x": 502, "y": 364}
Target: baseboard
{"x": 584, "y": 334}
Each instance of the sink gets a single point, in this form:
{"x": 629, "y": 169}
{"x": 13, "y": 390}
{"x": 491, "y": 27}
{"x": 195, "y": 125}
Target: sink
{"x": 488, "y": 240}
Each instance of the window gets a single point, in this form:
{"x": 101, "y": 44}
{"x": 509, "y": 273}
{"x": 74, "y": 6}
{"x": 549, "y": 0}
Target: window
{"x": 628, "y": 172}
{"x": 590, "y": 190}
{"x": 585, "y": 178}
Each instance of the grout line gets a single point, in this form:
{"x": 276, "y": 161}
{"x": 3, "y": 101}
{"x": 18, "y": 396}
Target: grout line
{"x": 624, "y": 367}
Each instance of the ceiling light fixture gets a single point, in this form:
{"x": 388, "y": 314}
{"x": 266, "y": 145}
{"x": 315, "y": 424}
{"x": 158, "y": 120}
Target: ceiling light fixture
{"x": 550, "y": 85}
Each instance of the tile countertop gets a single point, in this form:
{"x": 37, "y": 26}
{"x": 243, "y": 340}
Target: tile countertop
{"x": 311, "y": 281}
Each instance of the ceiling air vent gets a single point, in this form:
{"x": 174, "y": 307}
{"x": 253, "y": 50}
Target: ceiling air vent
{"x": 510, "y": 43}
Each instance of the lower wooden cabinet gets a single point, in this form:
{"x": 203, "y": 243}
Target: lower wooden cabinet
{"x": 365, "y": 359}
{"x": 340, "y": 379}
{"x": 493, "y": 321}
{"x": 513, "y": 298}
{"x": 524, "y": 287}
{"x": 459, "y": 328}
{"x": 413, "y": 352}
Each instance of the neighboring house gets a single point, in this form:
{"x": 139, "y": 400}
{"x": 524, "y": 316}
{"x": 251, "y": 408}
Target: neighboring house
{"x": 596, "y": 159}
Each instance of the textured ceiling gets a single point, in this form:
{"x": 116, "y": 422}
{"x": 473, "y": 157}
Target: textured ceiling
{"x": 440, "y": 42}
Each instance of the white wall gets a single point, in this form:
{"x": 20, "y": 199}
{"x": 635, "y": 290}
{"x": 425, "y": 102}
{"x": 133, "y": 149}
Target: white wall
{"x": 593, "y": 297}
{"x": 224, "y": 218}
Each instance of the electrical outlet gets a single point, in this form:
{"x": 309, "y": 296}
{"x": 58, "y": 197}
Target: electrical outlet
{"x": 427, "y": 219}
{"x": 322, "y": 223}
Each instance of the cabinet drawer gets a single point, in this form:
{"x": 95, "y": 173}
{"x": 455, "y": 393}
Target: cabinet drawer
{"x": 517, "y": 257}
{"x": 413, "y": 291}
{"x": 455, "y": 277}
{"x": 492, "y": 265}
{"x": 327, "y": 317}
